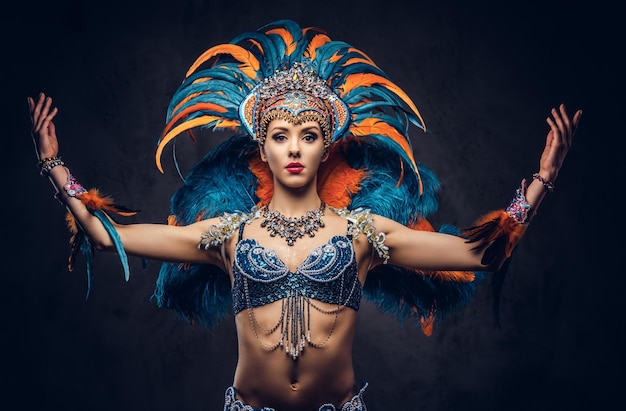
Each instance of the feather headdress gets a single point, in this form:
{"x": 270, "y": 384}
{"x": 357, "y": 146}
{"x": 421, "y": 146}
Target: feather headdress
{"x": 371, "y": 162}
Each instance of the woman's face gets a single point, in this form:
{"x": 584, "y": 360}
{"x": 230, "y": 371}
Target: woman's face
{"x": 294, "y": 152}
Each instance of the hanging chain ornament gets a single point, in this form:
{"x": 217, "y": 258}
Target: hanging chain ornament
{"x": 293, "y": 228}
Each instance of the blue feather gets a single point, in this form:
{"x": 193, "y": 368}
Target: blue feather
{"x": 119, "y": 247}
{"x": 85, "y": 248}
{"x": 221, "y": 182}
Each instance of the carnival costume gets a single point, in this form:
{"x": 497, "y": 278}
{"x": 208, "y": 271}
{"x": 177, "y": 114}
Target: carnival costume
{"x": 300, "y": 74}
{"x": 356, "y": 403}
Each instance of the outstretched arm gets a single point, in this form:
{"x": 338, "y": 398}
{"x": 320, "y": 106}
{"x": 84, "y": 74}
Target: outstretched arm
{"x": 436, "y": 251}
{"x": 158, "y": 241}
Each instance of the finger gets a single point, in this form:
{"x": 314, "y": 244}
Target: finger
{"x": 47, "y": 125}
{"x": 31, "y": 108}
{"x": 558, "y": 120}
{"x": 576, "y": 120}
{"x": 36, "y": 109}
{"x": 40, "y": 112}
{"x": 561, "y": 128}
{"x": 41, "y": 99}
{"x": 46, "y": 115}
{"x": 555, "y": 137}
{"x": 554, "y": 128}
{"x": 566, "y": 119}
{"x": 567, "y": 132}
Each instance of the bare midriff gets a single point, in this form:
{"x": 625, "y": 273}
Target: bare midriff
{"x": 319, "y": 375}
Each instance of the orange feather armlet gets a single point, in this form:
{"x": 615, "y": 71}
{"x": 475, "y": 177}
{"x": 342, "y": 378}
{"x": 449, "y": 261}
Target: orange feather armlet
{"x": 98, "y": 205}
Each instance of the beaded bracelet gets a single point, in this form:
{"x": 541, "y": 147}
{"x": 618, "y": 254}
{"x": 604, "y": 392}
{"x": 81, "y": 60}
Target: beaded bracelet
{"x": 48, "y": 164}
{"x": 547, "y": 183}
{"x": 46, "y": 160}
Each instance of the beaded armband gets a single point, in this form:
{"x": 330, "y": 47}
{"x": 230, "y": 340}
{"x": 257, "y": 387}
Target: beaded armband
{"x": 519, "y": 208}
{"x": 72, "y": 187}
{"x": 362, "y": 223}
{"x": 229, "y": 223}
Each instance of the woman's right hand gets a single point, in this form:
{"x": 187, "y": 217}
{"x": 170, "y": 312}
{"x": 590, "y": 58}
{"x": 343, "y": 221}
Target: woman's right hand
{"x": 43, "y": 130}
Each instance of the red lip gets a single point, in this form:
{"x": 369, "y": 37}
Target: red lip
{"x": 294, "y": 168}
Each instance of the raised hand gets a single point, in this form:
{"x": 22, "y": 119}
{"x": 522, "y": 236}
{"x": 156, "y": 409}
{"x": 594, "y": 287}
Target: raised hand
{"x": 558, "y": 141}
{"x": 43, "y": 130}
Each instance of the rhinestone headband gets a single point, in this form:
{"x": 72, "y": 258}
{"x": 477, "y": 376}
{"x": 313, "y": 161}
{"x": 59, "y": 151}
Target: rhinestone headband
{"x": 297, "y": 95}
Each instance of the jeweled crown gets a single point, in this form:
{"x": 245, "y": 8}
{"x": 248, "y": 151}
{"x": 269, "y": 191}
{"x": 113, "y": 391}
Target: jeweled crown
{"x": 297, "y": 91}
{"x": 295, "y": 78}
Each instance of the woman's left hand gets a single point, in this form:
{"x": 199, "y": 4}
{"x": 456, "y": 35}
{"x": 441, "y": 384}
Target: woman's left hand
{"x": 558, "y": 141}
{"x": 43, "y": 130}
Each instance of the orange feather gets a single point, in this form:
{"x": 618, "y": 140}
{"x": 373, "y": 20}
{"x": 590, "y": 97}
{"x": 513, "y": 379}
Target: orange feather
{"x": 191, "y": 109}
{"x": 370, "y": 126}
{"x": 368, "y": 79}
{"x": 70, "y": 222}
{"x": 171, "y": 220}
{"x": 356, "y": 60}
{"x": 265, "y": 187}
{"x": 316, "y": 42}
{"x": 422, "y": 224}
{"x": 337, "y": 182}
{"x": 496, "y": 225}
{"x": 257, "y": 45}
{"x": 365, "y": 56}
{"x": 249, "y": 64}
{"x": 374, "y": 126}
{"x": 287, "y": 38}
{"x": 335, "y": 57}
{"x": 427, "y": 323}
{"x": 188, "y": 125}
{"x": 94, "y": 199}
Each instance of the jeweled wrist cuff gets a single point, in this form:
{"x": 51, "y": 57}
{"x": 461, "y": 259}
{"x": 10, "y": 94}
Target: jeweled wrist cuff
{"x": 73, "y": 188}
{"x": 519, "y": 207}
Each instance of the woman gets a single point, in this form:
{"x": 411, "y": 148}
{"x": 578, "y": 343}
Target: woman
{"x": 316, "y": 201}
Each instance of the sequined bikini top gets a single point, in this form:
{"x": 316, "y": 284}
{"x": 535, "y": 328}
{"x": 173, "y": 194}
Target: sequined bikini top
{"x": 328, "y": 274}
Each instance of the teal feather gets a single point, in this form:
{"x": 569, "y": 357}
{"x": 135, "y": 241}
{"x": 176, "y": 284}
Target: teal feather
{"x": 221, "y": 182}
{"x": 267, "y": 53}
{"x": 119, "y": 247}
{"x": 81, "y": 243}
{"x": 296, "y": 33}
{"x": 332, "y": 70}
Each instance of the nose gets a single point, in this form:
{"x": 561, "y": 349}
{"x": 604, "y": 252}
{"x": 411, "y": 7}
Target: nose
{"x": 294, "y": 147}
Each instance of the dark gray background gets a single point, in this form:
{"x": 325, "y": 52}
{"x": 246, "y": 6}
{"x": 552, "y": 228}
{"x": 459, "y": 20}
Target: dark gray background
{"x": 484, "y": 76}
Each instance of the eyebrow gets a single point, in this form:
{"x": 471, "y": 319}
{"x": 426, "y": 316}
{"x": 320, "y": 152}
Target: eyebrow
{"x": 314, "y": 128}
{"x": 280, "y": 128}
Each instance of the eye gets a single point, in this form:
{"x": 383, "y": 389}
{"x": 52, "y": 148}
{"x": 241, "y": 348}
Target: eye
{"x": 278, "y": 137}
{"x": 310, "y": 137}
